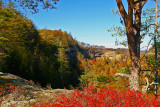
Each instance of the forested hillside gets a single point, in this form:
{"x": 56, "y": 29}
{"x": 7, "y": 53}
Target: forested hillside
{"x": 44, "y": 56}
{"x": 40, "y": 55}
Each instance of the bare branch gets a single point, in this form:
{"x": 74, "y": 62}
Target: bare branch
{"x": 131, "y": 3}
{"x": 142, "y": 35}
{"x": 146, "y": 70}
{"x": 122, "y": 74}
{"x": 143, "y": 3}
{"x": 146, "y": 28}
{"x": 153, "y": 83}
{"x": 145, "y": 88}
{"x": 122, "y": 11}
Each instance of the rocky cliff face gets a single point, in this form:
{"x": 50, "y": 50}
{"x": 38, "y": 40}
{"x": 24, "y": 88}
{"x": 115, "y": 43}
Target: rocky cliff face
{"x": 107, "y": 52}
{"x": 94, "y": 53}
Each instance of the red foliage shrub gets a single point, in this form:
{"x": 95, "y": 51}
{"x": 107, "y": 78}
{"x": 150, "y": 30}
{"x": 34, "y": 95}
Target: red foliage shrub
{"x": 102, "y": 98}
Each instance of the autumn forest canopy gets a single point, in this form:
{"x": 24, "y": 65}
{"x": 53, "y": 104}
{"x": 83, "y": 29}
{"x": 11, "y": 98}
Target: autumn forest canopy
{"x": 55, "y": 57}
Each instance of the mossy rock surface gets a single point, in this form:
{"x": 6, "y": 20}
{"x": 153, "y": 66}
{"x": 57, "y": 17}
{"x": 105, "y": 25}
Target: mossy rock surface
{"x": 24, "y": 95}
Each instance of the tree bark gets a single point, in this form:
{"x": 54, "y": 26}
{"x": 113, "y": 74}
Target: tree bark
{"x": 132, "y": 25}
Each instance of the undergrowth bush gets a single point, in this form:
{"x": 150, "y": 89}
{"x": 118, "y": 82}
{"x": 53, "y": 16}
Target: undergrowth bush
{"x": 102, "y": 98}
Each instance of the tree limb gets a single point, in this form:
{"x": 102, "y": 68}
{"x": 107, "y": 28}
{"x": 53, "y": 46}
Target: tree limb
{"x": 122, "y": 11}
{"x": 145, "y": 34}
{"x": 130, "y": 11}
{"x": 130, "y": 3}
{"x": 122, "y": 74}
{"x": 145, "y": 88}
{"x": 146, "y": 28}
{"x": 143, "y": 3}
{"x": 142, "y": 35}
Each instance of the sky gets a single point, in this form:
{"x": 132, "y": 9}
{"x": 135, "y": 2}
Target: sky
{"x": 86, "y": 20}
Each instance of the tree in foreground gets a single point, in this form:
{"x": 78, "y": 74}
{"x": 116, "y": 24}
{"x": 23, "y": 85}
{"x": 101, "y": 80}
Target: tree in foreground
{"x": 132, "y": 22}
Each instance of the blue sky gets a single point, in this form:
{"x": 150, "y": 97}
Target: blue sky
{"x": 86, "y": 20}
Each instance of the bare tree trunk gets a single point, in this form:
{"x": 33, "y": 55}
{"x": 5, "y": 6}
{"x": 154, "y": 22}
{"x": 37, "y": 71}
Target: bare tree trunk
{"x": 155, "y": 47}
{"x": 135, "y": 61}
{"x": 134, "y": 48}
{"x": 134, "y": 78}
{"x": 133, "y": 24}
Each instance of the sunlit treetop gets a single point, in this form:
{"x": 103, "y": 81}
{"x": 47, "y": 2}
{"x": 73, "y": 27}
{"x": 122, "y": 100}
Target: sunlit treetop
{"x": 33, "y": 5}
